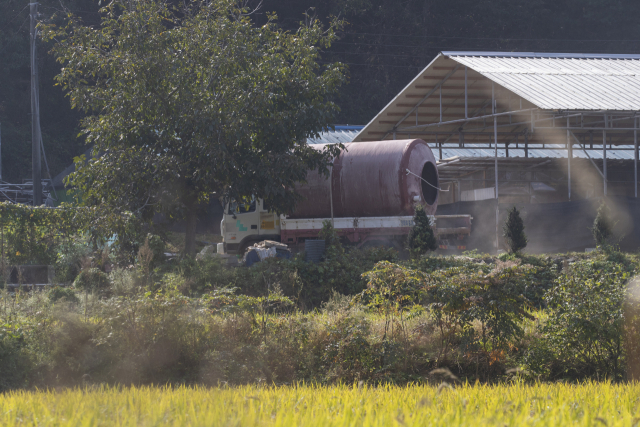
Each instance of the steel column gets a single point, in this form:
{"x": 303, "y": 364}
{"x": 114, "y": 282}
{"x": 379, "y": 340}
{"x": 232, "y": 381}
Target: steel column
{"x": 526, "y": 145}
{"x": 466, "y": 104}
{"x": 532, "y": 122}
{"x": 569, "y": 155}
{"x": 604, "y": 160}
{"x": 331, "y": 192}
{"x": 440, "y": 103}
{"x": 495, "y": 140}
{"x": 635, "y": 157}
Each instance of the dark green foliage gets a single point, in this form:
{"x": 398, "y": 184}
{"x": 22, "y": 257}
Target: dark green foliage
{"x": 333, "y": 247}
{"x": 157, "y": 247}
{"x": 60, "y": 293}
{"x": 15, "y": 361}
{"x": 286, "y": 321}
{"x": 584, "y": 336}
{"x": 602, "y": 225}
{"x": 421, "y": 238}
{"x": 91, "y": 279}
{"x": 457, "y": 297}
{"x": 310, "y": 284}
{"x": 265, "y": 93}
{"x": 71, "y": 254}
{"x": 513, "y": 231}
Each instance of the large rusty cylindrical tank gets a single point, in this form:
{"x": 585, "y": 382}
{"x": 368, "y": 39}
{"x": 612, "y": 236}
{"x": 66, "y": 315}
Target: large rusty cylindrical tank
{"x": 370, "y": 179}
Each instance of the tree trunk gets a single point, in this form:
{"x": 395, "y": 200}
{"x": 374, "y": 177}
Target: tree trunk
{"x": 190, "y": 232}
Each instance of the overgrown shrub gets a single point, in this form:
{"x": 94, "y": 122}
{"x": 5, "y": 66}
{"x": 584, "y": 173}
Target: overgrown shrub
{"x": 126, "y": 281}
{"x": 59, "y": 293}
{"x": 481, "y": 309}
{"x": 70, "y": 257}
{"x": 91, "y": 279}
{"x": 602, "y": 229}
{"x": 583, "y": 336}
{"x": 15, "y": 362}
{"x": 473, "y": 316}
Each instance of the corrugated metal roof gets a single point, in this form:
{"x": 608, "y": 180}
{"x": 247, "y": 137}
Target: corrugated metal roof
{"x": 542, "y": 54}
{"x": 552, "y": 151}
{"x": 524, "y": 81}
{"x": 338, "y": 136}
{"x": 563, "y": 82}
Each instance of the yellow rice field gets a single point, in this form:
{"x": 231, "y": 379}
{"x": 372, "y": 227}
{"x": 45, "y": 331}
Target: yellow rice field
{"x": 588, "y": 404}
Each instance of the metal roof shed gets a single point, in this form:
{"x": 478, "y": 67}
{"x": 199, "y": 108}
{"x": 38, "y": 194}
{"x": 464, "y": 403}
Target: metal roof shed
{"x": 497, "y": 101}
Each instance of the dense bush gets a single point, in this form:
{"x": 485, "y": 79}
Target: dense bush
{"x": 71, "y": 256}
{"x": 199, "y": 321}
{"x": 584, "y": 334}
{"x": 15, "y": 363}
{"x": 59, "y": 293}
{"x": 35, "y": 235}
{"x": 310, "y": 284}
{"x": 91, "y": 279}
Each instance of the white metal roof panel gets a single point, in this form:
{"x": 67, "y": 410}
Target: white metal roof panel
{"x": 334, "y": 137}
{"x": 562, "y": 81}
{"x": 551, "y": 151}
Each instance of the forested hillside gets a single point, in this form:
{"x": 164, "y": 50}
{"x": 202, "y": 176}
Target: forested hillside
{"x": 385, "y": 43}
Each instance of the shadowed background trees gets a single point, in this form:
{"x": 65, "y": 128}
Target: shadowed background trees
{"x": 386, "y": 43}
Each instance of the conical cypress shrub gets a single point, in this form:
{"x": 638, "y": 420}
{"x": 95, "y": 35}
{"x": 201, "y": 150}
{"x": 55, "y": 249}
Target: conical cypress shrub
{"x": 513, "y": 230}
{"x": 421, "y": 238}
{"x": 602, "y": 226}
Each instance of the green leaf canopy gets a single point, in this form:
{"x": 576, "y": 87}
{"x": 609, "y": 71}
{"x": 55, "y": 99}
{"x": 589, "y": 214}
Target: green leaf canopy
{"x": 189, "y": 101}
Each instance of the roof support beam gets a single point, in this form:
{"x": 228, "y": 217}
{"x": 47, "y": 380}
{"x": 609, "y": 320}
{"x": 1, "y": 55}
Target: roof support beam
{"x": 431, "y": 92}
{"x": 488, "y": 116}
{"x": 588, "y": 156}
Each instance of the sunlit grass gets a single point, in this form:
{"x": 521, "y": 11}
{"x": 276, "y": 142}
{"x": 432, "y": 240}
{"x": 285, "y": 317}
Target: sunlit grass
{"x": 588, "y": 404}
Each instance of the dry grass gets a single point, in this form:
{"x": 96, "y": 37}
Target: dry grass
{"x": 588, "y": 404}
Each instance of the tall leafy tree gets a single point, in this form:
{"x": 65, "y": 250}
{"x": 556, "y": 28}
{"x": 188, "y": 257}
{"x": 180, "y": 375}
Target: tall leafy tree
{"x": 195, "y": 101}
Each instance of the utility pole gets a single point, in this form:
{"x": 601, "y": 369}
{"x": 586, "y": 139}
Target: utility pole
{"x": 35, "y": 110}
{"x": 1, "y": 152}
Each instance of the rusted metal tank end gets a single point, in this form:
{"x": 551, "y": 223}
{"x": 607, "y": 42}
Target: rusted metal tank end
{"x": 371, "y": 179}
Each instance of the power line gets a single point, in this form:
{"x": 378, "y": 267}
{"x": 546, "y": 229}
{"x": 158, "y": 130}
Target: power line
{"x": 17, "y": 14}
{"x": 492, "y": 38}
{"x": 432, "y": 46}
{"x": 428, "y": 55}
{"x": 374, "y": 65}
